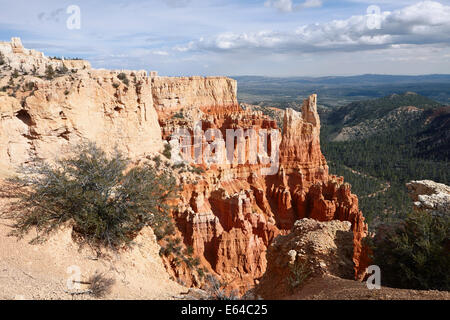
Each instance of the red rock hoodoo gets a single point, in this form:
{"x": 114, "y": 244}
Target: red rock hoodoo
{"x": 232, "y": 215}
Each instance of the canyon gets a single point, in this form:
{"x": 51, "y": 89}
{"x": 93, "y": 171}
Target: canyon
{"x": 229, "y": 213}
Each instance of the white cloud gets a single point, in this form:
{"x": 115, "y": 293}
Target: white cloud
{"x": 239, "y": 37}
{"x": 177, "y": 3}
{"x": 311, "y": 4}
{"x": 289, "y": 6}
{"x": 160, "y": 53}
{"x": 426, "y": 22}
{"x": 282, "y": 5}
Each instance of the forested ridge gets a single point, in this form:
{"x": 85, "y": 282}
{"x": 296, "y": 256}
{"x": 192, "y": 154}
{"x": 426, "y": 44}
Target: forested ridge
{"x": 378, "y": 166}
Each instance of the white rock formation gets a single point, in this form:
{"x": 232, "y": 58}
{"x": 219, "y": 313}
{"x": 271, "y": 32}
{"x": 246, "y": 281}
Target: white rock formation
{"x": 429, "y": 195}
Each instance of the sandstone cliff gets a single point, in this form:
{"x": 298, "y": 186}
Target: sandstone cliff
{"x": 42, "y": 117}
{"x": 230, "y": 212}
{"x": 173, "y": 94}
{"x": 35, "y": 62}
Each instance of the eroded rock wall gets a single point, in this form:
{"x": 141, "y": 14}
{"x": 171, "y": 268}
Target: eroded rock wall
{"x": 173, "y": 94}
{"x": 47, "y": 117}
{"x": 233, "y": 214}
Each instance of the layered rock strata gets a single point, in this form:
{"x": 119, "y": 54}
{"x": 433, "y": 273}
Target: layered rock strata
{"x": 232, "y": 215}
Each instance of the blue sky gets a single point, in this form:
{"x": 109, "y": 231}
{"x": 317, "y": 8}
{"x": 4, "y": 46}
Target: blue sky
{"x": 247, "y": 37}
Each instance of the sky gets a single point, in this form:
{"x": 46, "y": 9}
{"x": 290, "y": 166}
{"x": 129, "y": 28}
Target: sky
{"x": 239, "y": 37}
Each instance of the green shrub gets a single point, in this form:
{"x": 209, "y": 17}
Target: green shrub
{"x": 196, "y": 261}
{"x": 163, "y": 226}
{"x": 167, "y": 151}
{"x": 180, "y": 165}
{"x": 2, "y": 59}
{"x": 189, "y": 251}
{"x": 414, "y": 253}
{"x": 157, "y": 160}
{"x": 178, "y": 115}
{"x": 171, "y": 246}
{"x": 201, "y": 272}
{"x": 123, "y": 77}
{"x": 197, "y": 170}
{"x": 299, "y": 273}
{"x": 29, "y": 86}
{"x": 49, "y": 72}
{"x": 105, "y": 205}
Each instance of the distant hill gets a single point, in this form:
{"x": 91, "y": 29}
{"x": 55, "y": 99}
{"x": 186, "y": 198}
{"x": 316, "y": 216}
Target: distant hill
{"x": 369, "y": 117}
{"x": 359, "y": 79}
{"x": 338, "y": 91}
{"x": 434, "y": 141}
{"x": 380, "y": 144}
{"x": 359, "y": 111}
{"x": 425, "y": 122}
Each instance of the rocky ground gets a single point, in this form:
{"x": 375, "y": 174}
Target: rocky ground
{"x": 334, "y": 288}
{"x": 325, "y": 251}
{"x": 431, "y": 196}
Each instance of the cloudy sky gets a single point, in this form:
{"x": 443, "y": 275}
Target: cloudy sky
{"x": 240, "y": 37}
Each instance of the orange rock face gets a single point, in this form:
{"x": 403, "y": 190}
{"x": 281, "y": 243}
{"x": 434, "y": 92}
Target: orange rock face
{"x": 232, "y": 215}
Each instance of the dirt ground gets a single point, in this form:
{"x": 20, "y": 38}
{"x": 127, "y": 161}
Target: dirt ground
{"x": 333, "y": 288}
{"x": 42, "y": 271}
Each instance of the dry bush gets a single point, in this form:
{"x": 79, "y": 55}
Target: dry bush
{"x": 100, "y": 285}
{"x": 216, "y": 289}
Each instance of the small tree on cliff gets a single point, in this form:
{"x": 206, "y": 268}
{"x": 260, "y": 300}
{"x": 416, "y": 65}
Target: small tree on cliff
{"x": 414, "y": 253}
{"x": 2, "y": 59}
{"x": 123, "y": 77}
{"x": 94, "y": 192}
{"x": 50, "y": 72}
